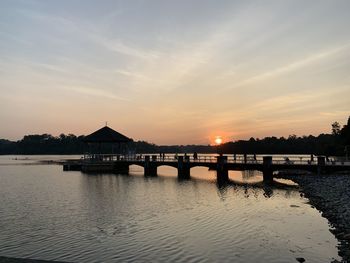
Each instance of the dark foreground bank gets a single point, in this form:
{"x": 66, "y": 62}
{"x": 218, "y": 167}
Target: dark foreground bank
{"x": 24, "y": 260}
{"x": 330, "y": 194}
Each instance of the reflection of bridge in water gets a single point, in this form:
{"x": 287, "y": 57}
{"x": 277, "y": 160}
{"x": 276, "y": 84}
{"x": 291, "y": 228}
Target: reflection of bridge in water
{"x": 100, "y": 163}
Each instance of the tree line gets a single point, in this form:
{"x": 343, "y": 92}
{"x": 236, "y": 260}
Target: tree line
{"x": 334, "y": 143}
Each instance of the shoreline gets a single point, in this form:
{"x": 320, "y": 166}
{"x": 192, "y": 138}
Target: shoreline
{"x": 330, "y": 195}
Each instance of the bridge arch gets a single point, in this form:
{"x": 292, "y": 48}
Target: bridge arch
{"x": 166, "y": 169}
{"x": 203, "y": 172}
{"x": 199, "y": 165}
{"x": 136, "y": 169}
{"x": 168, "y": 165}
{"x": 136, "y": 165}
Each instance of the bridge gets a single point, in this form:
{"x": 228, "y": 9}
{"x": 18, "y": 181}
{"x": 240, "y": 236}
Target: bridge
{"x": 101, "y": 163}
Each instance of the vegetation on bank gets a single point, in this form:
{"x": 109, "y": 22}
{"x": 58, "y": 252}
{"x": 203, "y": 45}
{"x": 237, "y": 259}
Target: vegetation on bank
{"x": 334, "y": 143}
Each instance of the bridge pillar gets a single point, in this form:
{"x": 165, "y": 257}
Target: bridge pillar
{"x": 221, "y": 169}
{"x": 183, "y": 168}
{"x": 150, "y": 168}
{"x": 267, "y": 169}
{"x": 321, "y": 163}
{"x": 321, "y": 160}
{"x": 245, "y": 158}
{"x": 121, "y": 167}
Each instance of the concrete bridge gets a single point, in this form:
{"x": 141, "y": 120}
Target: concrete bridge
{"x": 100, "y": 163}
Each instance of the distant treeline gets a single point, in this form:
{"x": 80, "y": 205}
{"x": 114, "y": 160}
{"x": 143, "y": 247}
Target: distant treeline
{"x": 327, "y": 144}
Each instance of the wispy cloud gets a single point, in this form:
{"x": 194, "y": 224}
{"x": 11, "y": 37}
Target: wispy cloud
{"x": 83, "y": 29}
{"x": 296, "y": 65}
{"x": 129, "y": 50}
{"x": 94, "y": 92}
{"x": 130, "y": 74}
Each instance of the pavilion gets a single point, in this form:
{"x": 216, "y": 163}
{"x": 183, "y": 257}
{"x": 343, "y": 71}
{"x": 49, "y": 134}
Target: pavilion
{"x": 107, "y": 140}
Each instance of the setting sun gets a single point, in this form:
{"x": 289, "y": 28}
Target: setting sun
{"x": 218, "y": 140}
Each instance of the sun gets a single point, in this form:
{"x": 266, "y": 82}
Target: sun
{"x": 218, "y": 140}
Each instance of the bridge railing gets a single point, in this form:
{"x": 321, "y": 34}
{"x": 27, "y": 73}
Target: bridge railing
{"x": 306, "y": 160}
{"x": 206, "y": 158}
{"x": 142, "y": 157}
{"x": 290, "y": 160}
{"x": 174, "y": 158}
{"x": 107, "y": 157}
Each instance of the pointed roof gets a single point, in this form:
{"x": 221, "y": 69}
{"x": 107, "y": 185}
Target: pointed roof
{"x": 106, "y": 134}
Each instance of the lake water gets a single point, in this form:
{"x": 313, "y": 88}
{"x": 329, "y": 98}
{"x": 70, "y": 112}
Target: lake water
{"x": 49, "y": 214}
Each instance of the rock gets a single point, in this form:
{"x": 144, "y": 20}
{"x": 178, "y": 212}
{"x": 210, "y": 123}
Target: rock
{"x": 340, "y": 235}
{"x": 294, "y": 206}
{"x": 330, "y": 195}
{"x": 346, "y": 236}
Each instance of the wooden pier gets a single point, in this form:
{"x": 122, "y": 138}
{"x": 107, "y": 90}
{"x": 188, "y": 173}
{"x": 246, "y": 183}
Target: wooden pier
{"x": 107, "y": 163}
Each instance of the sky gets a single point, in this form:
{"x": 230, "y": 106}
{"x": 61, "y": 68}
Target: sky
{"x": 174, "y": 72}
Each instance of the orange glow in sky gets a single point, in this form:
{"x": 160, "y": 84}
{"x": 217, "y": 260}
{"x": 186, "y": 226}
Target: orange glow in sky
{"x": 218, "y": 140}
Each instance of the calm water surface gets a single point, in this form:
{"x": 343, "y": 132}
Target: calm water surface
{"x": 46, "y": 213}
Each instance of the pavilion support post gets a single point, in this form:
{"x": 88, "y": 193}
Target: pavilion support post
{"x": 221, "y": 169}
{"x": 321, "y": 163}
{"x": 150, "y": 168}
{"x": 267, "y": 170}
{"x": 183, "y": 168}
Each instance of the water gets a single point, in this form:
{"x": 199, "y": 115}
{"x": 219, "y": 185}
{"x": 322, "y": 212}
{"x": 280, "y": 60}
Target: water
{"x": 49, "y": 214}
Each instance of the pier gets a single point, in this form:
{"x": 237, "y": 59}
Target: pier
{"x": 116, "y": 163}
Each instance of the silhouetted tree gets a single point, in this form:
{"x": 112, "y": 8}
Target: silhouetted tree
{"x": 327, "y": 144}
{"x": 335, "y": 128}
{"x": 345, "y": 133}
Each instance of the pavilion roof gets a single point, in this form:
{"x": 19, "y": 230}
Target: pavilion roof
{"x": 106, "y": 134}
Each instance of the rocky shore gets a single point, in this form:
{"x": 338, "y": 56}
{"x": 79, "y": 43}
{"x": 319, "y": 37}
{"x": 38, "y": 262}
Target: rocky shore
{"x": 330, "y": 194}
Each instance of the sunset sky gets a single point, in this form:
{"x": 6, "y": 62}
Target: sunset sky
{"x": 174, "y": 72}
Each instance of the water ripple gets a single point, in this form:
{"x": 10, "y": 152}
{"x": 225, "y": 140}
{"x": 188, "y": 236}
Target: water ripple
{"x": 48, "y": 214}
